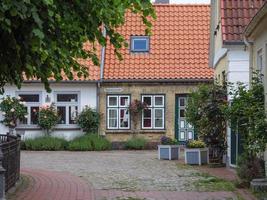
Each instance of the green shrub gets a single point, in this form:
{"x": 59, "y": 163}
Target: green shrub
{"x": 195, "y": 144}
{"x": 48, "y": 118}
{"x": 136, "y": 143}
{"x": 45, "y": 143}
{"x": 89, "y": 142}
{"x": 88, "y": 119}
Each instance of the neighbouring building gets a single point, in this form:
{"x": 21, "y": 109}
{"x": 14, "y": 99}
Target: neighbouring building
{"x": 229, "y": 55}
{"x": 69, "y": 97}
{"x": 160, "y": 70}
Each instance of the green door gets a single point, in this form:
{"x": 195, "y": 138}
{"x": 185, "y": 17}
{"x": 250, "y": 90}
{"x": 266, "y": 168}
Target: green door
{"x": 236, "y": 147}
{"x": 183, "y": 130}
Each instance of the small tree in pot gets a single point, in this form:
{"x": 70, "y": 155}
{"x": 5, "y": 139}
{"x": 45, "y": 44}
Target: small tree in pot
{"x": 48, "y": 118}
{"x": 12, "y": 110}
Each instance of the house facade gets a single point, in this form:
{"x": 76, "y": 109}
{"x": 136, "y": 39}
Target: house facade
{"x": 229, "y": 55}
{"x": 159, "y": 70}
{"x": 69, "y": 97}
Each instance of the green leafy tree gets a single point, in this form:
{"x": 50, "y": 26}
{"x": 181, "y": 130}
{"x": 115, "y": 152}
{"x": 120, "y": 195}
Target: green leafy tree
{"x": 205, "y": 111}
{"x": 41, "y": 39}
{"x": 88, "y": 120}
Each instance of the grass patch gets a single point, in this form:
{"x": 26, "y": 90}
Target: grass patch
{"x": 90, "y": 142}
{"x": 212, "y": 183}
{"x": 45, "y": 143}
{"x": 136, "y": 143}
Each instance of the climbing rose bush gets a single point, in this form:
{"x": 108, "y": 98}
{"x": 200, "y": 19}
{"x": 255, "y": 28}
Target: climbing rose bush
{"x": 13, "y": 110}
{"x": 48, "y": 117}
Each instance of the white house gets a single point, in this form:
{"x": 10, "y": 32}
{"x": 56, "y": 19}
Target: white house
{"x": 229, "y": 55}
{"x": 69, "y": 97}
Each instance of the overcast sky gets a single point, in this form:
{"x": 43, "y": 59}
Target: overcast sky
{"x": 189, "y": 1}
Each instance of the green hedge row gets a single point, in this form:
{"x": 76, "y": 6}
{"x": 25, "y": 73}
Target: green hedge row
{"x": 89, "y": 142}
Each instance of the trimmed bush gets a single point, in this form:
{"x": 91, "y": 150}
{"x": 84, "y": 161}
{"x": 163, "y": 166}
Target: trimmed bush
{"x": 45, "y": 143}
{"x": 88, "y": 119}
{"x": 136, "y": 143}
{"x": 89, "y": 142}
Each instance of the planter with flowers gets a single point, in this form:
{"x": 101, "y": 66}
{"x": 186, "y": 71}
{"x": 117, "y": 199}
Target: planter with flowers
{"x": 168, "y": 149}
{"x": 196, "y": 153}
{"x": 13, "y": 111}
{"x": 48, "y": 118}
{"x": 135, "y": 108}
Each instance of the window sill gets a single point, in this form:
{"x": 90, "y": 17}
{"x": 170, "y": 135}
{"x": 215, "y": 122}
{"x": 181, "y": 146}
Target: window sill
{"x": 138, "y": 131}
{"x": 59, "y": 128}
{"x": 29, "y": 127}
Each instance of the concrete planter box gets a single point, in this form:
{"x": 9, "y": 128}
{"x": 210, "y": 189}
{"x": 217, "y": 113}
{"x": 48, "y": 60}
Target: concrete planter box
{"x": 196, "y": 156}
{"x": 168, "y": 152}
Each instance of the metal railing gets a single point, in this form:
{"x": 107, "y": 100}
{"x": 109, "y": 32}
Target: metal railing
{"x": 10, "y": 147}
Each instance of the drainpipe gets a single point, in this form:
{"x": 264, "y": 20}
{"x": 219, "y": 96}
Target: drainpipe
{"x": 249, "y": 44}
{"x": 102, "y": 63}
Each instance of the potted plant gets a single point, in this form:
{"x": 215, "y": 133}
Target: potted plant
{"x": 168, "y": 149}
{"x": 196, "y": 153}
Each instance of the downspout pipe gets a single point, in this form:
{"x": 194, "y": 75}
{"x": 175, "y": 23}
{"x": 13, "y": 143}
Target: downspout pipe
{"x": 249, "y": 44}
{"x": 102, "y": 63}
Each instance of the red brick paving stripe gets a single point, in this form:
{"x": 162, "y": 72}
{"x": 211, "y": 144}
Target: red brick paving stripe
{"x": 47, "y": 185}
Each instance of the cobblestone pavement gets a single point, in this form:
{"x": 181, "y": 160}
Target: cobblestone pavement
{"x": 117, "y": 175}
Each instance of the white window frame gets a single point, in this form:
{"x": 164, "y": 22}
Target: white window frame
{"x": 118, "y": 107}
{"x": 145, "y": 38}
{"x": 67, "y": 105}
{"x": 260, "y": 57}
{"x": 154, "y": 107}
{"x": 30, "y": 104}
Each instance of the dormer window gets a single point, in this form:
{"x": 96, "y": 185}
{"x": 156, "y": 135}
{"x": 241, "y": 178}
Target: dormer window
{"x": 139, "y": 44}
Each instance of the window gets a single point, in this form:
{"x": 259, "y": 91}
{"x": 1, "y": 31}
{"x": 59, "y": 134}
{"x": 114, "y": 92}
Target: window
{"x": 67, "y": 105}
{"x": 139, "y": 44}
{"x": 153, "y": 116}
{"x": 32, "y": 103}
{"x": 118, "y": 116}
{"x": 260, "y": 61}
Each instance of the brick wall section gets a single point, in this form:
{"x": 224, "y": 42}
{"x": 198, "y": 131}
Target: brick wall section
{"x": 135, "y": 90}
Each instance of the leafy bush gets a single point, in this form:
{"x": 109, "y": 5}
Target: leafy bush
{"x": 89, "y": 142}
{"x": 249, "y": 168}
{"x": 195, "y": 144}
{"x": 48, "y": 117}
{"x": 45, "y": 143}
{"x": 136, "y": 143}
{"x": 168, "y": 141}
{"x": 88, "y": 119}
{"x": 13, "y": 110}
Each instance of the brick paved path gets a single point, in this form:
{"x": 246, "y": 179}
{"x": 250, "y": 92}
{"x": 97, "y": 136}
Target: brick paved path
{"x": 47, "y": 185}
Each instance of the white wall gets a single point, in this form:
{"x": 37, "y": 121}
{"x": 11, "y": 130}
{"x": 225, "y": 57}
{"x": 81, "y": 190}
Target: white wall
{"x": 88, "y": 96}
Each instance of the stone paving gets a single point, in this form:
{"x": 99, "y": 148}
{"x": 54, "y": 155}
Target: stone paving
{"x": 114, "y": 175}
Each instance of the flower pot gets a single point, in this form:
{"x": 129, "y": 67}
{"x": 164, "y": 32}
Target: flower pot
{"x": 196, "y": 156}
{"x": 168, "y": 152}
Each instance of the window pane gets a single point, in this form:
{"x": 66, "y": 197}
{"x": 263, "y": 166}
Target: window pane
{"x": 24, "y": 121}
{"x": 147, "y": 100}
{"x": 147, "y": 123}
{"x": 182, "y": 135}
{"x": 29, "y": 97}
{"x": 73, "y": 111}
{"x": 113, "y": 118}
{"x": 61, "y": 110}
{"x": 112, "y": 101}
{"x": 182, "y": 113}
{"x": 147, "y": 113}
{"x": 124, "y": 101}
{"x": 182, "y": 102}
{"x": 147, "y": 118}
{"x": 67, "y": 97}
{"x": 124, "y": 118}
{"x": 140, "y": 44}
{"x": 34, "y": 115}
{"x": 190, "y": 135}
{"x": 158, "y": 101}
{"x": 158, "y": 118}
{"x": 182, "y": 125}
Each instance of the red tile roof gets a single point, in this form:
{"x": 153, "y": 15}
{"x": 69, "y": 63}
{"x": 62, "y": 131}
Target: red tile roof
{"x": 178, "y": 47}
{"x": 235, "y": 16}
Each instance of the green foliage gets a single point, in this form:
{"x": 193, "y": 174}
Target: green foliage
{"x": 45, "y": 143}
{"x": 168, "y": 141}
{"x": 250, "y": 167}
{"x": 88, "y": 119}
{"x": 48, "y": 117}
{"x": 43, "y": 38}
{"x": 89, "y": 142}
{"x": 195, "y": 144}
{"x": 136, "y": 143}
{"x": 13, "y": 110}
{"x": 247, "y": 115}
{"x": 205, "y": 111}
